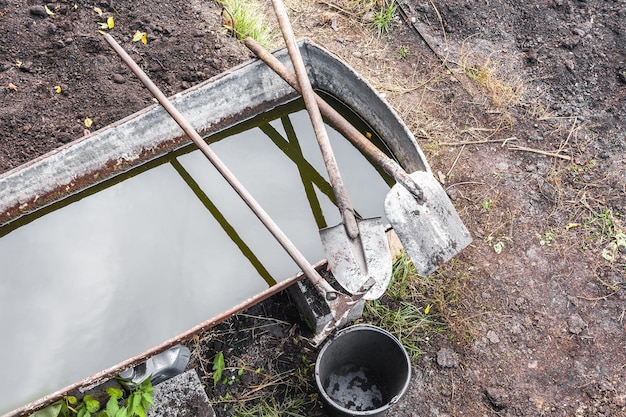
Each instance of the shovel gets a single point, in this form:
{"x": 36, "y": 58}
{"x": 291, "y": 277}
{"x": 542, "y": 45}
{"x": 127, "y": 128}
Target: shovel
{"x": 356, "y": 249}
{"x": 417, "y": 207}
{"x": 339, "y": 304}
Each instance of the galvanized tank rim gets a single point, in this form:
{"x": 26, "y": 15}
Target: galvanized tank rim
{"x": 212, "y": 106}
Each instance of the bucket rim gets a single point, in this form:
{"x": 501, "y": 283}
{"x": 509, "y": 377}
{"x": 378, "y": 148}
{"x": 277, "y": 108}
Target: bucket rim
{"x": 356, "y": 328}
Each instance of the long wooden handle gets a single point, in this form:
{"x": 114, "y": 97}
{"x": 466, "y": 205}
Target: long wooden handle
{"x": 339, "y": 189}
{"x": 320, "y": 283}
{"x": 388, "y": 165}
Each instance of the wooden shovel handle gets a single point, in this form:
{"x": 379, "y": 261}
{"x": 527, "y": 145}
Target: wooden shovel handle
{"x": 305, "y": 88}
{"x": 388, "y": 165}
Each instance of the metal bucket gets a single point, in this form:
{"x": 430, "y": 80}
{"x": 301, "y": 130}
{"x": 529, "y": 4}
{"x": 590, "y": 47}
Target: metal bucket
{"x": 362, "y": 371}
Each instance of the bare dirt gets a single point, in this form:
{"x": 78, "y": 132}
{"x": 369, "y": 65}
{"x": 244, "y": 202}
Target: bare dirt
{"x": 520, "y": 109}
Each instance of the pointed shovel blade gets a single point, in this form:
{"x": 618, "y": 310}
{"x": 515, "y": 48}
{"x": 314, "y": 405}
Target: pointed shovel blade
{"x": 353, "y": 262}
{"x": 431, "y": 231}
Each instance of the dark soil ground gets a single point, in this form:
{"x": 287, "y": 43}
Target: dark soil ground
{"x": 41, "y": 52}
{"x": 520, "y": 109}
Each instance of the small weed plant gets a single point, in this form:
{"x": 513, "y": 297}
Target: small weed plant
{"x": 218, "y": 367}
{"x": 545, "y": 239}
{"x": 383, "y": 17}
{"x": 134, "y": 400}
{"x": 607, "y": 228}
{"x": 219, "y": 374}
{"x": 616, "y": 244}
{"x": 403, "y": 52}
{"x": 497, "y": 243}
{"x": 602, "y": 224}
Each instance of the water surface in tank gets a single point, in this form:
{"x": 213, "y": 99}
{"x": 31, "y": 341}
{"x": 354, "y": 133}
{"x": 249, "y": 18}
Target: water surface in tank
{"x": 109, "y": 273}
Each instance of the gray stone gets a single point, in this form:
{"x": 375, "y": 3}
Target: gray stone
{"x": 447, "y": 358}
{"x": 26, "y": 66}
{"x": 575, "y": 324}
{"x": 181, "y": 396}
{"x": 39, "y": 11}
{"x": 493, "y": 337}
{"x": 118, "y": 79}
{"x": 497, "y": 397}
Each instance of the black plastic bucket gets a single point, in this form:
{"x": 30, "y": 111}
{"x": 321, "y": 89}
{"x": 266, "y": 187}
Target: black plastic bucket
{"x": 362, "y": 371}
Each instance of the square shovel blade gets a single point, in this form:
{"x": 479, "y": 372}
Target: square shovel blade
{"x": 431, "y": 230}
{"x": 353, "y": 262}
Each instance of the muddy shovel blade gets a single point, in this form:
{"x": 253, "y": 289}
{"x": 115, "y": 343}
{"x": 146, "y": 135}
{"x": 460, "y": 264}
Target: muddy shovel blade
{"x": 354, "y": 261}
{"x": 430, "y": 230}
{"x": 340, "y": 308}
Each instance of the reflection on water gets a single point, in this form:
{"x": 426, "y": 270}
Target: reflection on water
{"x": 114, "y": 273}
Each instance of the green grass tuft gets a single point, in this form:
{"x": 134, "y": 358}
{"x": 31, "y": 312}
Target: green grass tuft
{"x": 383, "y": 17}
{"x": 246, "y": 18}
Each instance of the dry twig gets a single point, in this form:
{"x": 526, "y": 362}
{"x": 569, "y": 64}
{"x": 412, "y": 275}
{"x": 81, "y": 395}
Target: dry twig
{"x": 455, "y": 161}
{"x": 555, "y": 154}
{"x": 477, "y": 142}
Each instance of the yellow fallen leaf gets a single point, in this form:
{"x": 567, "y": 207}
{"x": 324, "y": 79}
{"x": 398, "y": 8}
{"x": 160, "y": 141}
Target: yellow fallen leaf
{"x": 88, "y": 122}
{"x": 427, "y": 309}
{"x": 98, "y": 10}
{"x": 110, "y": 22}
{"x": 140, "y": 36}
{"x": 57, "y": 88}
{"x": 12, "y": 87}
{"x": 571, "y": 226}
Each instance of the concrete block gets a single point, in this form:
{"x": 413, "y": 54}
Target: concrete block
{"x": 181, "y": 396}
{"x": 312, "y": 307}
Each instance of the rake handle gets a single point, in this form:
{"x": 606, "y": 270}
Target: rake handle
{"x": 388, "y": 165}
{"x": 322, "y": 286}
